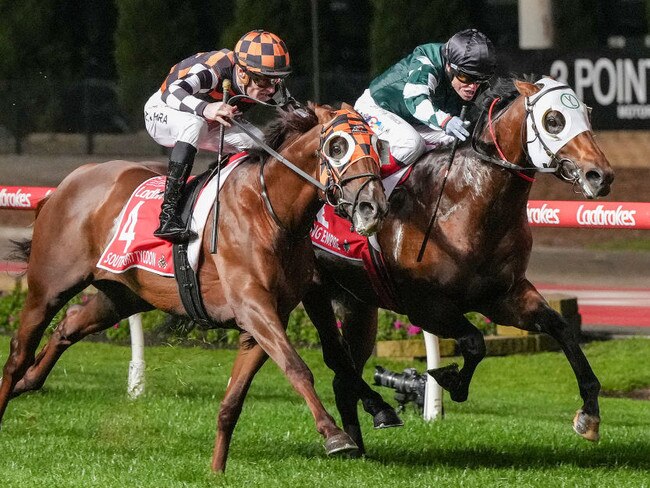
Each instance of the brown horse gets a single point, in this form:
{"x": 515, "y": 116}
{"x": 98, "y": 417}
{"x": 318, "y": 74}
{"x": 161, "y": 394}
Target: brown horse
{"x": 477, "y": 256}
{"x": 263, "y": 266}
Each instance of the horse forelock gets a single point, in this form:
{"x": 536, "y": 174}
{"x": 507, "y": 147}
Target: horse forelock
{"x": 289, "y": 124}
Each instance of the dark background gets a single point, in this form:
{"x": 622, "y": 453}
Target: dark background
{"x": 70, "y": 66}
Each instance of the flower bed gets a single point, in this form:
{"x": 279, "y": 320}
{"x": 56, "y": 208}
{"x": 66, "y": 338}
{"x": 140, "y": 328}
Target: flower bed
{"x": 396, "y": 336}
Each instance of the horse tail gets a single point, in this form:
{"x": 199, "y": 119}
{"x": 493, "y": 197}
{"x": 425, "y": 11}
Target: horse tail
{"x": 20, "y": 251}
{"x": 22, "y": 248}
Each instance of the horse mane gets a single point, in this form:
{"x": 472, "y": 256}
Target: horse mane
{"x": 289, "y": 123}
{"x": 502, "y": 89}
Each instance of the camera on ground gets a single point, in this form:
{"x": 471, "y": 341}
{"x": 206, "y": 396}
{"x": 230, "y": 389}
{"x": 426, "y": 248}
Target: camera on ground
{"x": 409, "y": 386}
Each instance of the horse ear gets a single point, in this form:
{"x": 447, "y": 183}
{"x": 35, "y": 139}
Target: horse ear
{"x": 347, "y": 106}
{"x": 323, "y": 112}
{"x": 525, "y": 88}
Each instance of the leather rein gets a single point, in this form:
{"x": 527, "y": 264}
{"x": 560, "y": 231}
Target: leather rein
{"x": 563, "y": 166}
{"x": 332, "y": 191}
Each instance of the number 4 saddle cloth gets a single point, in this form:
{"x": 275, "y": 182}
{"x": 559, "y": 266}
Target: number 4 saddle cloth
{"x": 133, "y": 244}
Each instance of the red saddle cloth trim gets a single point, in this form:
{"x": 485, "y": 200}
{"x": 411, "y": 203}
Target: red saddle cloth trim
{"x": 133, "y": 245}
{"x": 332, "y": 234}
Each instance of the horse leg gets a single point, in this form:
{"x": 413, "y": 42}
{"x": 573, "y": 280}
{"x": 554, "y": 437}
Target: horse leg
{"x": 528, "y": 310}
{"x": 470, "y": 342}
{"x": 41, "y": 305}
{"x": 99, "y": 313}
{"x": 254, "y": 314}
{"x": 348, "y": 384}
{"x": 359, "y": 326}
{"x": 249, "y": 360}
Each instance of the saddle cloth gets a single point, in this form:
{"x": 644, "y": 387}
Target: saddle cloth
{"x": 133, "y": 244}
{"x": 333, "y": 234}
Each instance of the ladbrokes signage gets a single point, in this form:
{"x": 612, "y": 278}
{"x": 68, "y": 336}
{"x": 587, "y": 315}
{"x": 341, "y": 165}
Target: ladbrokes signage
{"x": 605, "y": 215}
{"x": 22, "y": 198}
{"x": 613, "y": 82}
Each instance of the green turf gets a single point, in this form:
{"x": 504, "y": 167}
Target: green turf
{"x": 515, "y": 429}
{"x": 639, "y": 245}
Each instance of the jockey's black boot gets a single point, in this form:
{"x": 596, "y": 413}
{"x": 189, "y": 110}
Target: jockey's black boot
{"x": 172, "y": 228}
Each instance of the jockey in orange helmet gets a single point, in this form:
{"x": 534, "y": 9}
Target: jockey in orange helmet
{"x": 188, "y": 109}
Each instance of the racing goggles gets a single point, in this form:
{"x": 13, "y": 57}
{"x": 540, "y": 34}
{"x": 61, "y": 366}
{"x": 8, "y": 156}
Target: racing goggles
{"x": 263, "y": 81}
{"x": 468, "y": 79}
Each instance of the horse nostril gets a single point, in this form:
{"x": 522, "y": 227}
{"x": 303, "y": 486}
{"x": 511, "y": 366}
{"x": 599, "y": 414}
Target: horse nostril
{"x": 367, "y": 209}
{"x": 594, "y": 177}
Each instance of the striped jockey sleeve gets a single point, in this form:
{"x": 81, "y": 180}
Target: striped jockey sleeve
{"x": 180, "y": 94}
{"x": 420, "y": 82}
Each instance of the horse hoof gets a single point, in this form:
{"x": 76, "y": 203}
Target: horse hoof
{"x": 587, "y": 426}
{"x": 447, "y": 377}
{"x": 73, "y": 310}
{"x": 358, "y": 454}
{"x": 340, "y": 444}
{"x": 387, "y": 418}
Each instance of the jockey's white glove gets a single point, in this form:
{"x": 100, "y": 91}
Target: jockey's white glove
{"x": 457, "y": 127}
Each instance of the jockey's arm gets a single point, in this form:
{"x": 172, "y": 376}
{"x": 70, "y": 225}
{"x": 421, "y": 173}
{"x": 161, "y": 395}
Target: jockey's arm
{"x": 420, "y": 82}
{"x": 181, "y": 94}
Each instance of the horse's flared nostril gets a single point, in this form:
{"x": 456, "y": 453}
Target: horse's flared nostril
{"x": 600, "y": 181}
{"x": 594, "y": 177}
{"x": 367, "y": 209}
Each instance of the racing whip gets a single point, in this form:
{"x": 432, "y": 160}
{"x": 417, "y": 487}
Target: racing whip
{"x": 454, "y": 146}
{"x": 225, "y": 85}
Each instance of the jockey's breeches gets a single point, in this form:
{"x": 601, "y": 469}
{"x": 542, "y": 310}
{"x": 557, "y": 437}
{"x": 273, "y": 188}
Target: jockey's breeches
{"x": 167, "y": 126}
{"x": 407, "y": 142}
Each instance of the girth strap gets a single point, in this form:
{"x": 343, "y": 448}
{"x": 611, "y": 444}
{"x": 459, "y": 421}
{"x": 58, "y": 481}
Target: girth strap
{"x": 186, "y": 279}
{"x": 384, "y": 286}
{"x": 189, "y": 288}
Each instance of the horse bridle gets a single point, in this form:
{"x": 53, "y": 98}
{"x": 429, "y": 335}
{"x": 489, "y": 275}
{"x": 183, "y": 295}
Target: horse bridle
{"x": 361, "y": 143}
{"x": 564, "y": 167}
{"x": 332, "y": 189}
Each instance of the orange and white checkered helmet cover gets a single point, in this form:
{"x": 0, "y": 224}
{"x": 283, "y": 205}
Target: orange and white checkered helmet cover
{"x": 263, "y": 53}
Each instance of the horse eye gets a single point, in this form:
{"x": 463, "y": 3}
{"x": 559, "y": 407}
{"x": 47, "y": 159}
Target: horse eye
{"x": 554, "y": 122}
{"x": 338, "y": 148}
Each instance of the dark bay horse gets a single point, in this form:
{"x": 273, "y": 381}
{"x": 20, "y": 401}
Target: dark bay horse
{"x": 477, "y": 255}
{"x": 263, "y": 266}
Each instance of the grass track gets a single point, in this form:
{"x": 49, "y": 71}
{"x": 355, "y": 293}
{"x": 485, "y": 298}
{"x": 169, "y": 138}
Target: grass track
{"x": 515, "y": 429}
